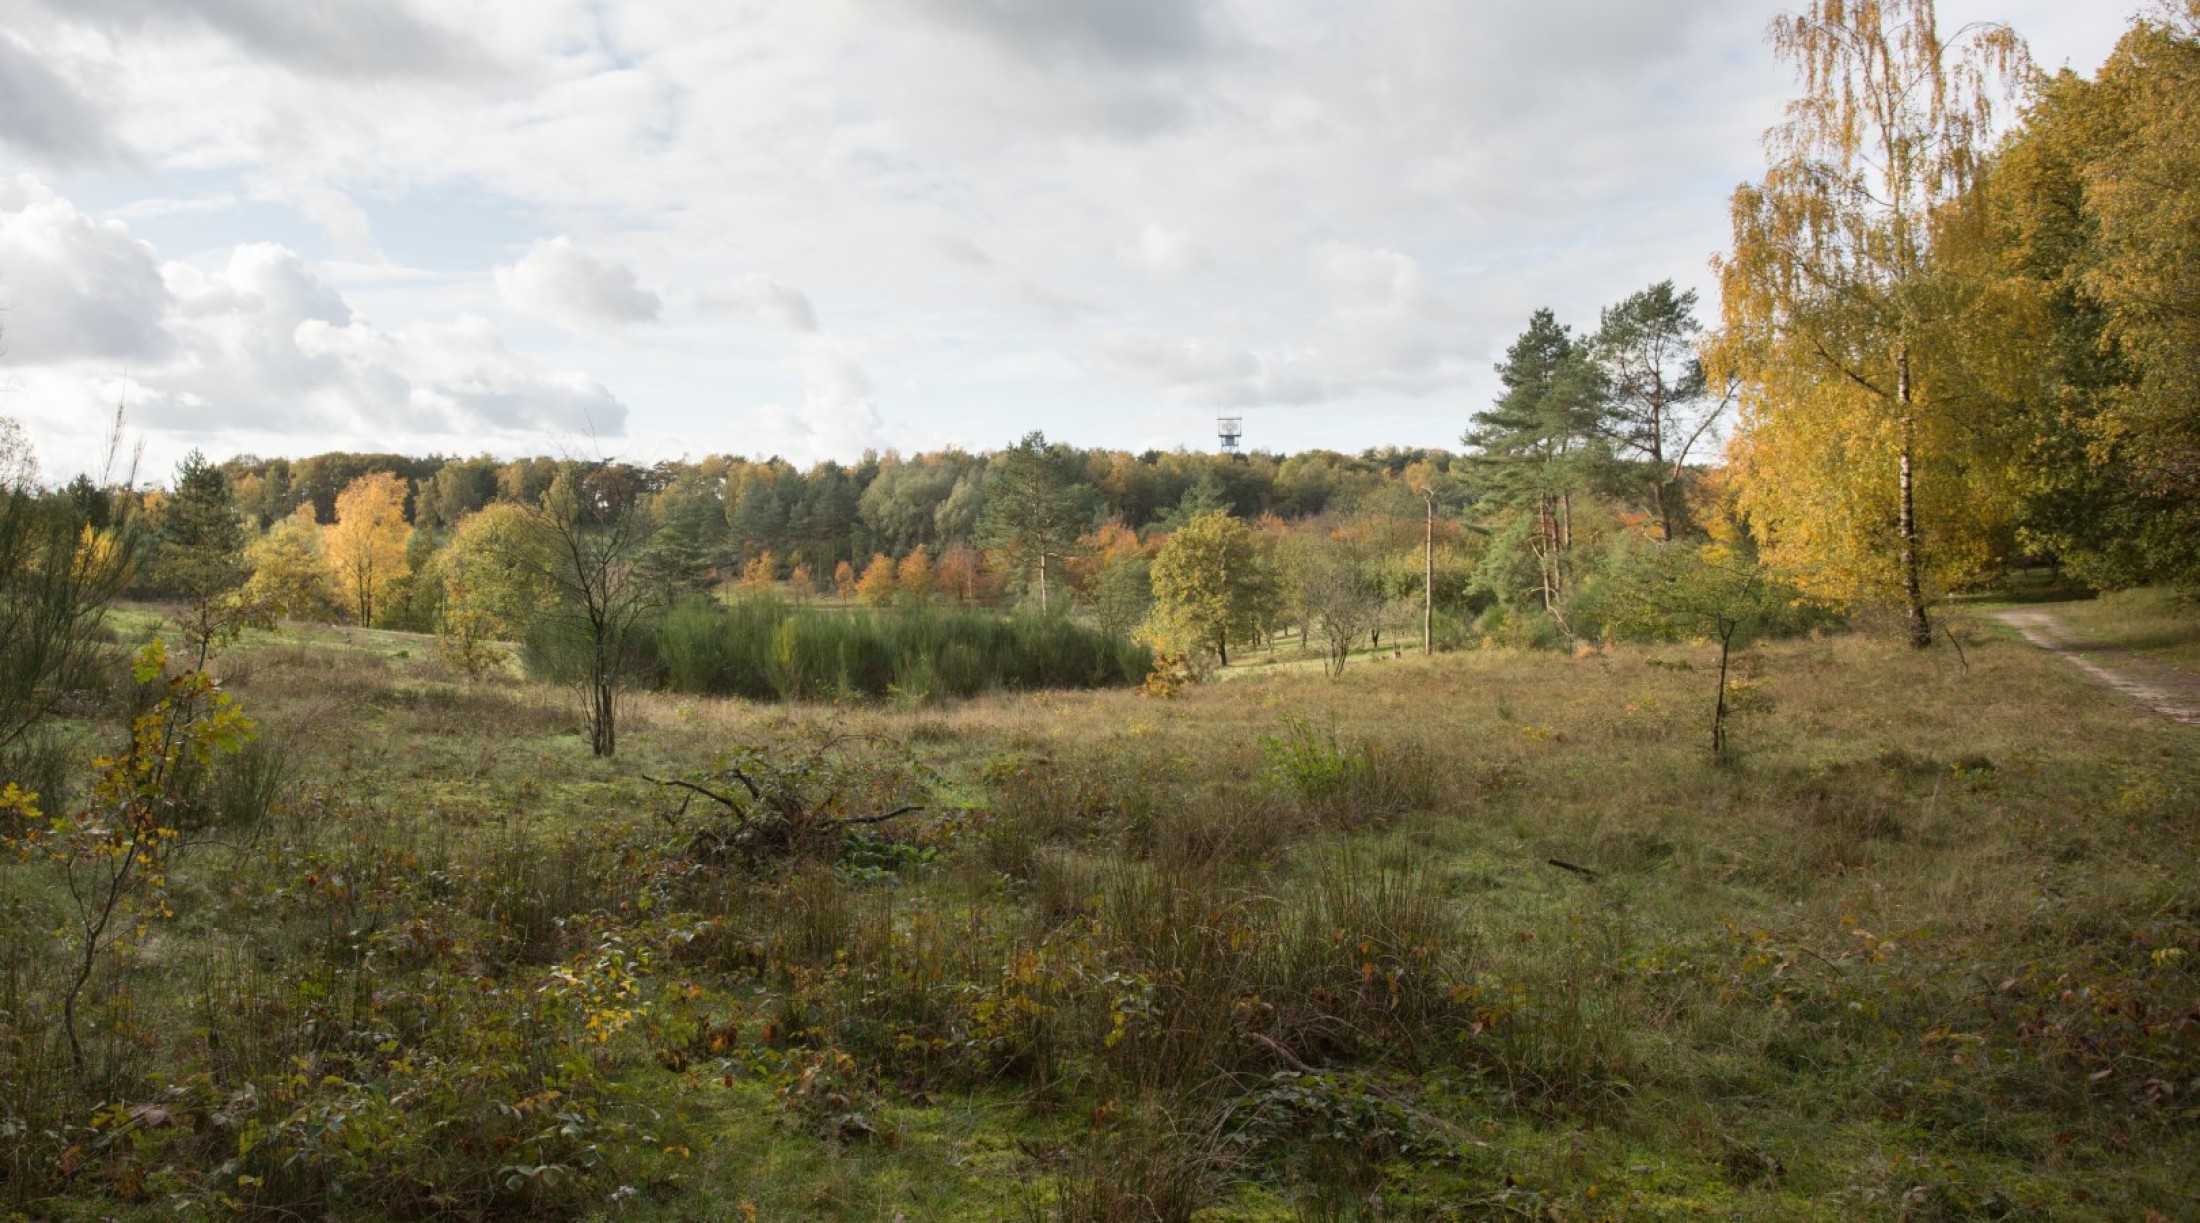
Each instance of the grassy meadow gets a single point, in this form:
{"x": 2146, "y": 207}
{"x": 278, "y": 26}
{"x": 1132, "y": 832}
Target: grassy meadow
{"x": 1478, "y": 936}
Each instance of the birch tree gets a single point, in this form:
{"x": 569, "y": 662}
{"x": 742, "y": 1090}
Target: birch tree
{"x": 1830, "y": 299}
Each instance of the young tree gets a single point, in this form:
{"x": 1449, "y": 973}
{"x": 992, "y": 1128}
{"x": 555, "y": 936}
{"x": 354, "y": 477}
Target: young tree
{"x": 200, "y": 540}
{"x": 1033, "y": 511}
{"x": 1114, "y": 573}
{"x": 1656, "y": 408}
{"x": 58, "y": 571}
{"x": 589, "y": 544}
{"x": 959, "y": 573}
{"x": 913, "y": 577}
{"x": 289, "y": 574}
{"x": 761, "y": 572}
{"x": 879, "y": 582}
{"x": 366, "y": 548}
{"x": 801, "y": 583}
{"x": 1342, "y": 593}
{"x": 113, "y": 854}
{"x": 1209, "y": 586}
{"x": 1683, "y": 592}
{"x": 1830, "y": 295}
{"x": 493, "y": 568}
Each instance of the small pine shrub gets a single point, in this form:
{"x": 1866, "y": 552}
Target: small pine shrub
{"x": 764, "y": 650}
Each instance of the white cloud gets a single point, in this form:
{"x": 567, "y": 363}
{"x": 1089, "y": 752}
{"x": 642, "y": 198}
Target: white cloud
{"x": 252, "y": 344}
{"x": 1116, "y": 32}
{"x": 763, "y": 300}
{"x": 1153, "y": 202}
{"x": 73, "y": 287}
{"x": 1372, "y": 282}
{"x": 575, "y": 290}
{"x": 837, "y": 417}
{"x": 347, "y": 225}
{"x": 319, "y": 36}
{"x": 1207, "y": 373}
{"x": 1167, "y": 253}
{"x": 45, "y": 114}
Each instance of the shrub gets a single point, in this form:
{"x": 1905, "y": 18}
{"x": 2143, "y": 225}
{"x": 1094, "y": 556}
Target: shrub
{"x": 1348, "y": 783}
{"x": 761, "y": 649}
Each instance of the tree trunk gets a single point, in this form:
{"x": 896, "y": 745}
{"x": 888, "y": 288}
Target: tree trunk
{"x": 1913, "y": 595}
{"x": 603, "y": 737}
{"x": 1428, "y": 581}
{"x": 1548, "y": 552}
{"x": 1042, "y": 581}
{"x": 1718, "y": 709}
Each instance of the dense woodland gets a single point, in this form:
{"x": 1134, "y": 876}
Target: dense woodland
{"x": 1674, "y": 890}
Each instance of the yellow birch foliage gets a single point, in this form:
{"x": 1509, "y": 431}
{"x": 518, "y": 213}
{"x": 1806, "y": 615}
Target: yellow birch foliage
{"x": 1853, "y": 459}
{"x": 914, "y": 575}
{"x": 492, "y": 572}
{"x": 365, "y": 549}
{"x": 288, "y": 572}
{"x": 879, "y": 582}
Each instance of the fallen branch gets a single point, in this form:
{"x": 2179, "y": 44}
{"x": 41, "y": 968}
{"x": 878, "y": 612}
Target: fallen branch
{"x": 856, "y": 821}
{"x": 705, "y": 791}
{"x": 1583, "y": 871}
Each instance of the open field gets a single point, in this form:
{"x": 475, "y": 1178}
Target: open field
{"x": 1281, "y": 948}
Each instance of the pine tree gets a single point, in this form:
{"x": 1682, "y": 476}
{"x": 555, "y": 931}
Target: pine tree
{"x": 1033, "y": 512}
{"x": 201, "y": 539}
{"x": 1656, "y": 410}
{"x": 1537, "y": 447}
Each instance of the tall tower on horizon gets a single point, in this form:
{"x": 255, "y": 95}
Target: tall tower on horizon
{"x": 1231, "y": 428}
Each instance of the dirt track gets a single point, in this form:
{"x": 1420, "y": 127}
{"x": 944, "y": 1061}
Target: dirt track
{"x": 2165, "y": 690}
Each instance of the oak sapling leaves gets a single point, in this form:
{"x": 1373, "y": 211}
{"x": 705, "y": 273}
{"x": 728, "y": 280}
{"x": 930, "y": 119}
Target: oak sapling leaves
{"x": 1683, "y": 592}
{"x": 114, "y": 854}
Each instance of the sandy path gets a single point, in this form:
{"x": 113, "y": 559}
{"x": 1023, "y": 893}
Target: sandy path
{"x": 2163, "y": 689}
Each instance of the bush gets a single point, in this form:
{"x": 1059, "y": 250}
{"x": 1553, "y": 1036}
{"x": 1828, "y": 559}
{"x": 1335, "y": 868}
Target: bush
{"x": 764, "y": 650}
{"x": 1348, "y": 783}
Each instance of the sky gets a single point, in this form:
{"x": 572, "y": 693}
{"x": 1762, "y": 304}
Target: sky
{"x": 648, "y": 229}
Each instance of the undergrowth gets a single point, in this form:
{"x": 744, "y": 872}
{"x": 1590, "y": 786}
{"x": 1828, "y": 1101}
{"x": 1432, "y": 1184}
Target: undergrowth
{"x": 1276, "y": 949}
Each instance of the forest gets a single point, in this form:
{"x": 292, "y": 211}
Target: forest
{"x": 1639, "y": 811}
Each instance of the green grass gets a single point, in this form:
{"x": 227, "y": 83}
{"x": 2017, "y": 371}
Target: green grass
{"x": 1925, "y": 949}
